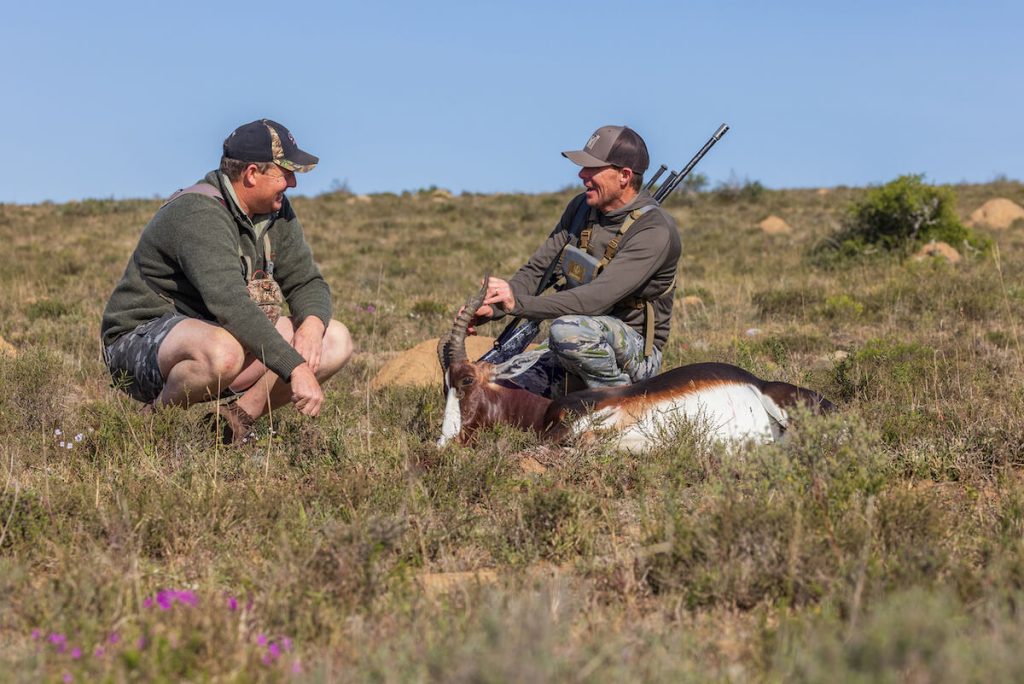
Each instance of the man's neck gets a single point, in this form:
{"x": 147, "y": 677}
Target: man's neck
{"x": 240, "y": 196}
{"x": 627, "y": 196}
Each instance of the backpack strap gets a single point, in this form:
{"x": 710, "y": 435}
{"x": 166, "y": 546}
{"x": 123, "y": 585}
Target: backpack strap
{"x": 198, "y": 189}
{"x": 210, "y": 191}
{"x": 613, "y": 245}
{"x": 648, "y": 306}
{"x": 635, "y": 302}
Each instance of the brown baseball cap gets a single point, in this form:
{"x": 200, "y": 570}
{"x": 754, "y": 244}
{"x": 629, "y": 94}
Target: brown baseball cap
{"x": 268, "y": 141}
{"x": 613, "y": 145}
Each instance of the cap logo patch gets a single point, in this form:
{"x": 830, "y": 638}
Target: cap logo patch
{"x": 593, "y": 141}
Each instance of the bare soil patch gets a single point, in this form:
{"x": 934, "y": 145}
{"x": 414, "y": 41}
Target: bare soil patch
{"x": 418, "y": 367}
{"x": 939, "y": 250}
{"x": 999, "y": 213}
{"x": 773, "y": 225}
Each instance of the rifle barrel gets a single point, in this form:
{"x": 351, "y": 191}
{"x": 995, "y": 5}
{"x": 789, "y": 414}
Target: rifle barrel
{"x": 655, "y": 177}
{"x": 675, "y": 180}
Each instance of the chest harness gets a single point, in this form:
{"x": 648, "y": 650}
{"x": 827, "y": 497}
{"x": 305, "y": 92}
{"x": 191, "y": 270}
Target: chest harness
{"x": 579, "y": 268}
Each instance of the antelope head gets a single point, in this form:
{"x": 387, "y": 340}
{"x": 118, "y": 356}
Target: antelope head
{"x": 461, "y": 376}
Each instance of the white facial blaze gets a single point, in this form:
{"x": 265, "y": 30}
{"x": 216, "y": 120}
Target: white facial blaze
{"x": 452, "y": 424}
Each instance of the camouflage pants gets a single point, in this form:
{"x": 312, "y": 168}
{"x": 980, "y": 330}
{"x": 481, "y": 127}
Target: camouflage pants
{"x": 600, "y": 350}
{"x": 132, "y": 358}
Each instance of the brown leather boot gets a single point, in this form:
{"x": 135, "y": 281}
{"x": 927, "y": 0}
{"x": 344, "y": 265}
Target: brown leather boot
{"x": 231, "y": 424}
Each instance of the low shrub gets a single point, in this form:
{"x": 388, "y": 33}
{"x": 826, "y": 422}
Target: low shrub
{"x": 897, "y": 217}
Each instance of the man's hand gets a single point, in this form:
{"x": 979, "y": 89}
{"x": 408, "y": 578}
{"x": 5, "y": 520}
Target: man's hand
{"x": 498, "y": 292}
{"x": 306, "y": 393}
{"x": 309, "y": 341}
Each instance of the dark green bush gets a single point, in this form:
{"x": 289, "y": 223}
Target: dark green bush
{"x": 898, "y": 216}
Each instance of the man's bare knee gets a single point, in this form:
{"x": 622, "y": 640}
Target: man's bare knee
{"x": 337, "y": 348}
{"x": 222, "y": 356}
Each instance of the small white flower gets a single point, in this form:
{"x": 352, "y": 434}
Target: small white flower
{"x": 60, "y": 444}
{"x": 57, "y": 433}
{"x": 70, "y": 445}
{"x": 79, "y": 437}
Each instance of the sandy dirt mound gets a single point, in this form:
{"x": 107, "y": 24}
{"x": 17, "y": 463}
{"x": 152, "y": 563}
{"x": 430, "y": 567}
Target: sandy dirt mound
{"x": 940, "y": 250}
{"x": 7, "y": 349}
{"x": 996, "y": 213}
{"x": 773, "y": 225}
{"x": 418, "y": 367}
{"x": 435, "y": 583}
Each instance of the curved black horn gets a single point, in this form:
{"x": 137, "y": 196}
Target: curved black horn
{"x": 452, "y": 346}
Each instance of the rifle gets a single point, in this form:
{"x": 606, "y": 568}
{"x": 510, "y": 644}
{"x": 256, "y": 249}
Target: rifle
{"x": 518, "y": 334}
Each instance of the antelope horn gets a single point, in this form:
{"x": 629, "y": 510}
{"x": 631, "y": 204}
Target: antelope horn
{"x": 452, "y": 346}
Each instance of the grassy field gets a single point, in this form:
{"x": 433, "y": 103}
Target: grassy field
{"x": 884, "y": 543}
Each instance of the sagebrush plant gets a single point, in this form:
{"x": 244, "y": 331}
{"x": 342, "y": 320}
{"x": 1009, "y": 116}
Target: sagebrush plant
{"x": 880, "y": 543}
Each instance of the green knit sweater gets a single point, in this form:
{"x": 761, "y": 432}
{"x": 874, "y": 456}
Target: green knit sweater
{"x": 188, "y": 261}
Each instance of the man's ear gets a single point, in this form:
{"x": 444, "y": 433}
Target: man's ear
{"x": 249, "y": 175}
{"x": 625, "y": 176}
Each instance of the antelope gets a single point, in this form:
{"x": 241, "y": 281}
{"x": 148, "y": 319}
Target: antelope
{"x": 731, "y": 404}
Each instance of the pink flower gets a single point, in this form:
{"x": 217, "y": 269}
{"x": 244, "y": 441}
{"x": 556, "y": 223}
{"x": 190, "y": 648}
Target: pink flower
{"x": 68, "y": 678}
{"x": 261, "y": 639}
{"x": 296, "y": 667}
{"x": 76, "y": 653}
{"x": 36, "y": 634}
{"x": 99, "y": 652}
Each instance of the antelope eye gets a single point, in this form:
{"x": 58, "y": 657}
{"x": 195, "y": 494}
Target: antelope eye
{"x": 466, "y": 381}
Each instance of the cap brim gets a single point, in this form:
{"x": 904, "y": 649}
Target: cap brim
{"x": 300, "y": 162}
{"x": 584, "y": 159}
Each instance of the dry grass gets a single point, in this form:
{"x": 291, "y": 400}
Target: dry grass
{"x": 884, "y": 543}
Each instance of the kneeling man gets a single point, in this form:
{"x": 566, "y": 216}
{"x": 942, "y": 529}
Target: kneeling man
{"x": 196, "y": 315}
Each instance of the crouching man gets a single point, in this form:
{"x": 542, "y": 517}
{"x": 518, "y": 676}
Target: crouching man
{"x": 197, "y": 314}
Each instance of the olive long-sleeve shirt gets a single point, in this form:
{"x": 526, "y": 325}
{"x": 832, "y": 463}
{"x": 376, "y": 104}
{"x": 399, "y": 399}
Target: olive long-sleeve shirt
{"x": 644, "y": 267}
{"x": 188, "y": 261}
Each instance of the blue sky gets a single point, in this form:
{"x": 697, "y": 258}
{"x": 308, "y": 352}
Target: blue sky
{"x": 133, "y": 99}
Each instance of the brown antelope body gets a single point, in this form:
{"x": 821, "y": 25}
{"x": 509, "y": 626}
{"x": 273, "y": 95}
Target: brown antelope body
{"x": 726, "y": 402}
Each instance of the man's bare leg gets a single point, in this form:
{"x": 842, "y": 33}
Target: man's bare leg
{"x": 198, "y": 360}
{"x": 266, "y": 391}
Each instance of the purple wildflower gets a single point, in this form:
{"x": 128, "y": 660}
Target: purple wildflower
{"x": 68, "y": 678}
{"x": 99, "y": 652}
{"x": 296, "y": 667}
{"x": 141, "y": 643}
{"x": 371, "y": 308}
{"x": 232, "y": 603}
{"x": 287, "y": 643}
{"x": 59, "y": 641}
{"x": 36, "y": 634}
{"x": 274, "y": 650}
{"x": 76, "y": 653}
{"x": 148, "y": 603}
{"x": 114, "y": 637}
{"x": 266, "y": 660}
{"x": 261, "y": 639}
{"x": 79, "y": 437}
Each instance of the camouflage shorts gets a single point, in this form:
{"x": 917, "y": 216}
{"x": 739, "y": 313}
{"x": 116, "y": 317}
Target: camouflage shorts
{"x": 601, "y": 350}
{"x": 132, "y": 358}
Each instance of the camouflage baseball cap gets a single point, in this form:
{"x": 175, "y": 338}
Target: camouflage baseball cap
{"x": 613, "y": 145}
{"x": 268, "y": 141}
